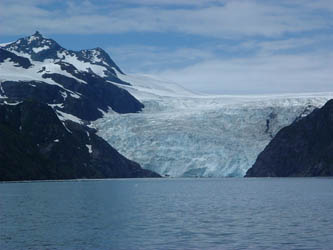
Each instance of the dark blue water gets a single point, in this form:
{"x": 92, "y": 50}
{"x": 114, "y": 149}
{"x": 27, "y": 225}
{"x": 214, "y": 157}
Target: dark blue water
{"x": 168, "y": 214}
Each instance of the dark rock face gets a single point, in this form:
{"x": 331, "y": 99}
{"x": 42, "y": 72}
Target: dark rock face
{"x": 18, "y": 60}
{"x": 35, "y": 145}
{"x": 305, "y": 148}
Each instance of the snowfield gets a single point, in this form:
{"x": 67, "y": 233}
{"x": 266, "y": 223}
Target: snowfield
{"x": 182, "y": 134}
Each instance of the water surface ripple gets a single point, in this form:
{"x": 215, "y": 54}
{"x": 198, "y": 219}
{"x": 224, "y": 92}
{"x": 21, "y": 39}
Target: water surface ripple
{"x": 229, "y": 213}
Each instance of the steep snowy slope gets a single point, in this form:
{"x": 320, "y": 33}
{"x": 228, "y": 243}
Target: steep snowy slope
{"x": 184, "y": 134}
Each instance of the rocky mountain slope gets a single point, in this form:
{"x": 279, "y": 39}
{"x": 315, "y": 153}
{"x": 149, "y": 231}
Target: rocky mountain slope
{"x": 305, "y": 148}
{"x": 48, "y": 96}
{"x": 35, "y": 144}
{"x": 79, "y": 83}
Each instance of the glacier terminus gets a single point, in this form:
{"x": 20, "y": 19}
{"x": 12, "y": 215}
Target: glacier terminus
{"x": 184, "y": 134}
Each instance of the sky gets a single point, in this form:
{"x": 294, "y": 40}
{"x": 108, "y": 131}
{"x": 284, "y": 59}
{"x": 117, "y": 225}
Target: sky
{"x": 209, "y": 46}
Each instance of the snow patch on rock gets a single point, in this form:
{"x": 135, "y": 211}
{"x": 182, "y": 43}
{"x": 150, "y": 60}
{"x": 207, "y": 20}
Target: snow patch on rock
{"x": 39, "y": 49}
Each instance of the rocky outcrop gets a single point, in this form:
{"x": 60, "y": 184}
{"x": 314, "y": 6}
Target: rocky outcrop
{"x": 36, "y": 145}
{"x": 305, "y": 148}
{"x": 18, "y": 60}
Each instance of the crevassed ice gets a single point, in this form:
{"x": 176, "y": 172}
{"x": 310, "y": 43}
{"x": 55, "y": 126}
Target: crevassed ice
{"x": 200, "y": 135}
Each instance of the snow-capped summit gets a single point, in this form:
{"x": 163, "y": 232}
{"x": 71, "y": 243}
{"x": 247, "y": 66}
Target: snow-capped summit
{"x": 100, "y": 57}
{"x": 38, "y": 48}
{"x": 35, "y": 47}
{"x": 78, "y": 84}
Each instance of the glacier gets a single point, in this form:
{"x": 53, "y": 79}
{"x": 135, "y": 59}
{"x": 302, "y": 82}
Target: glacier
{"x": 184, "y": 134}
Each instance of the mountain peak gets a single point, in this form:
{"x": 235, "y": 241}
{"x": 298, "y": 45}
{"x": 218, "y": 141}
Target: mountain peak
{"x": 37, "y": 34}
{"x": 35, "y": 46}
{"x": 38, "y": 48}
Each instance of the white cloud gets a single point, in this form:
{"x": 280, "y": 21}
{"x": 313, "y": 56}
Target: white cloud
{"x": 255, "y": 75}
{"x": 288, "y": 44}
{"x": 314, "y": 5}
{"x": 234, "y": 18}
{"x": 268, "y": 70}
{"x": 176, "y": 2}
{"x": 284, "y": 25}
{"x": 141, "y": 58}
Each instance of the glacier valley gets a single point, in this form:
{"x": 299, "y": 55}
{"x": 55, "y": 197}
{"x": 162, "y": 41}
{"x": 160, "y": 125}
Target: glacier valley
{"x": 183, "y": 134}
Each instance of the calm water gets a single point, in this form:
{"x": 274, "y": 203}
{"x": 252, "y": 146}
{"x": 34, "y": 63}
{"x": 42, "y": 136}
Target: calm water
{"x": 168, "y": 214}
